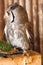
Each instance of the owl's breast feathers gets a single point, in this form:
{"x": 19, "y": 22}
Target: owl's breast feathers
{"x": 17, "y": 35}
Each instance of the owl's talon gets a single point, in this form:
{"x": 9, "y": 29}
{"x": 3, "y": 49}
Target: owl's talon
{"x": 25, "y": 53}
{"x": 15, "y": 49}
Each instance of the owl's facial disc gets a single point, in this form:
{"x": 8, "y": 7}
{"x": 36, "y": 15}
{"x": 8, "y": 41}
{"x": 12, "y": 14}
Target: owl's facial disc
{"x": 8, "y": 16}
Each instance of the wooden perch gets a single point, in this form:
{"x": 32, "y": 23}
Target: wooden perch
{"x": 33, "y": 58}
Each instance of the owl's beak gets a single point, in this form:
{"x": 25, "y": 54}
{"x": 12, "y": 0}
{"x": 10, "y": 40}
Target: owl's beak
{"x": 4, "y": 17}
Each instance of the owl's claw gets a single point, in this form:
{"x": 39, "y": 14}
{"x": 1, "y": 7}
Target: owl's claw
{"x": 25, "y": 53}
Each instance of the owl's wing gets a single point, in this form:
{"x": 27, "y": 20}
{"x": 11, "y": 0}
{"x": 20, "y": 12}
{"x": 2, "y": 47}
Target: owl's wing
{"x": 27, "y": 33}
{"x": 30, "y": 38}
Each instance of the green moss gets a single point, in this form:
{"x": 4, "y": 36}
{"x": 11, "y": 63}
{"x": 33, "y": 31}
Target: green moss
{"x": 4, "y": 46}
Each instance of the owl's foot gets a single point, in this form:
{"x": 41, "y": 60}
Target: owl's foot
{"x": 25, "y": 53}
{"x": 15, "y": 49}
{"x": 18, "y": 49}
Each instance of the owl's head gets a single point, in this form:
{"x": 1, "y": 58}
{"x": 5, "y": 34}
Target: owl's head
{"x": 16, "y": 13}
{"x": 9, "y": 15}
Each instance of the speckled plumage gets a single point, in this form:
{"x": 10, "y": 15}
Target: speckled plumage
{"x": 16, "y": 32}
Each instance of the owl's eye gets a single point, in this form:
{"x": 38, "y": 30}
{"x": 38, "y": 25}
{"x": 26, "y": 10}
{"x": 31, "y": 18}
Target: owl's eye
{"x": 8, "y": 13}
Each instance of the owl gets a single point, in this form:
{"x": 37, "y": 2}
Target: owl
{"x": 17, "y": 26}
